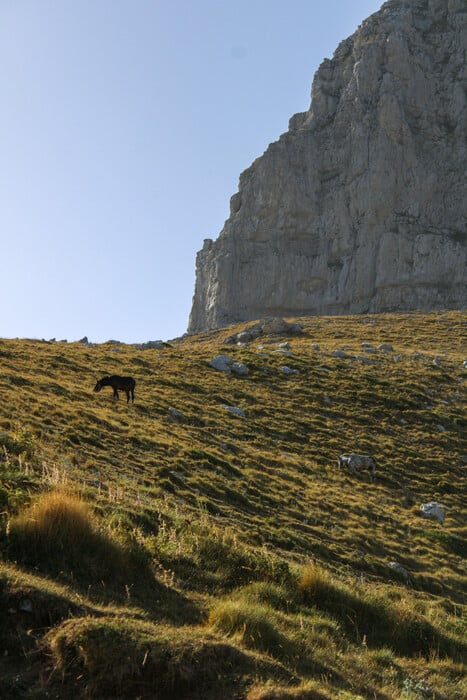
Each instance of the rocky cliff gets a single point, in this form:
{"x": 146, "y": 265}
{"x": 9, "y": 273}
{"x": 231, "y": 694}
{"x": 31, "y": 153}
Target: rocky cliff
{"x": 361, "y": 206}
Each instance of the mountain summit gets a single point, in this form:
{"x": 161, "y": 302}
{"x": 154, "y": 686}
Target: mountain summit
{"x": 361, "y": 206}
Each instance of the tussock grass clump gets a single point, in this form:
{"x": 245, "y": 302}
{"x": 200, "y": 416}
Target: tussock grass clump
{"x": 283, "y": 598}
{"x": 250, "y": 625}
{"x": 371, "y": 617}
{"x": 122, "y": 657}
{"x": 59, "y": 533}
{"x": 279, "y": 693}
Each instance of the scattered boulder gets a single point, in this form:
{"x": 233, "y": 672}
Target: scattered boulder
{"x": 176, "y": 415}
{"x": 340, "y": 353}
{"x": 288, "y": 370}
{"x": 245, "y": 337}
{"x": 177, "y": 477}
{"x": 240, "y": 368}
{"x": 222, "y": 363}
{"x": 278, "y": 326}
{"x": 399, "y": 569}
{"x": 268, "y": 326}
{"x": 433, "y": 510}
{"x": 234, "y": 409}
{"x": 365, "y": 360}
{"x": 385, "y": 347}
{"x": 153, "y": 345}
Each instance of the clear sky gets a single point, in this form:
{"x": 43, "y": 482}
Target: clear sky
{"x": 124, "y": 127}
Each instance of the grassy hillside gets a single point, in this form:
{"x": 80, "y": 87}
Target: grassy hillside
{"x": 202, "y": 543}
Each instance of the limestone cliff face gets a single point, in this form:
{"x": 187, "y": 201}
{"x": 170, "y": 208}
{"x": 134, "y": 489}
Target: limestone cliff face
{"x": 361, "y": 206}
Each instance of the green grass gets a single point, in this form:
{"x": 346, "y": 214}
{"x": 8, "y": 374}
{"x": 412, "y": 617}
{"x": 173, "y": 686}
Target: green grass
{"x": 137, "y": 545}
{"x": 124, "y": 657}
{"x": 369, "y": 615}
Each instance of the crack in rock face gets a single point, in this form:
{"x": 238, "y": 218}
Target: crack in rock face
{"x": 360, "y": 206}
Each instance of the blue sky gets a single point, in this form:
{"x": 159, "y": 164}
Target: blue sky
{"x": 124, "y": 127}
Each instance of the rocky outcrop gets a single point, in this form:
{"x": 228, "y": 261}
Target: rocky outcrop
{"x": 361, "y": 206}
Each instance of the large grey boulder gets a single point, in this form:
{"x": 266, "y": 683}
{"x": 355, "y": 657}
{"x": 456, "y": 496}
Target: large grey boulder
{"x": 433, "y": 510}
{"x": 360, "y": 207}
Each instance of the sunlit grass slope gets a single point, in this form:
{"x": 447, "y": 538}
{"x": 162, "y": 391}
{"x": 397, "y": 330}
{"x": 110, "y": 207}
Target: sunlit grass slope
{"x": 202, "y": 543}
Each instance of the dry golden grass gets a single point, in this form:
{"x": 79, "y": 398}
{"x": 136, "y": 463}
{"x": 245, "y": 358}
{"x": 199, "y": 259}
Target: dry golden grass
{"x": 131, "y": 658}
{"x": 276, "y": 693}
{"x": 178, "y": 516}
{"x": 58, "y": 534}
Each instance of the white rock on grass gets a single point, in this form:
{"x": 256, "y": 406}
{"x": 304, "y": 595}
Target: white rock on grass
{"x": 239, "y": 368}
{"x": 340, "y": 353}
{"x": 289, "y": 370}
{"x": 399, "y": 569}
{"x": 224, "y": 363}
{"x": 235, "y": 410}
{"x": 175, "y": 414}
{"x": 433, "y": 510}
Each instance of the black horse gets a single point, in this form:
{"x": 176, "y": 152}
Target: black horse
{"x": 126, "y": 384}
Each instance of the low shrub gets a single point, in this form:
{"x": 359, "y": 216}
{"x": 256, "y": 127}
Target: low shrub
{"x": 21, "y": 441}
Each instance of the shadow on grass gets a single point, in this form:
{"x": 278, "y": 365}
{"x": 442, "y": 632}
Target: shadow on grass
{"x": 59, "y": 538}
{"x": 377, "y": 620}
{"x": 127, "y": 658}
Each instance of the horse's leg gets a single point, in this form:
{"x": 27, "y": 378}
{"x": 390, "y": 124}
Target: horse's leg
{"x": 115, "y": 394}
{"x": 133, "y": 395}
{"x": 127, "y": 395}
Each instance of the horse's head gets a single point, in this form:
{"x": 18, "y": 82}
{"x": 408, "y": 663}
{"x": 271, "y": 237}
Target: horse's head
{"x": 98, "y": 386}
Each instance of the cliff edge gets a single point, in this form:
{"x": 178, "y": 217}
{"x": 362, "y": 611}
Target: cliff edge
{"x": 361, "y": 206}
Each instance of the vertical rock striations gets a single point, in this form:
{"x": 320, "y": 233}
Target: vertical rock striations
{"x": 362, "y": 205}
